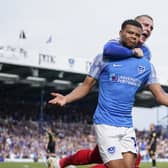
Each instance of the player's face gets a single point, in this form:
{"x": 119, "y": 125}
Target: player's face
{"x": 130, "y": 36}
{"x": 147, "y": 25}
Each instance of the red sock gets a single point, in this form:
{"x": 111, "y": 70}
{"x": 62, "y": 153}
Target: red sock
{"x": 82, "y": 157}
{"x": 95, "y": 156}
{"x": 138, "y": 161}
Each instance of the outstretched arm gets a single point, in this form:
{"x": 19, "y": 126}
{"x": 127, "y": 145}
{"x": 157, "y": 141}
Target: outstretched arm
{"x": 76, "y": 94}
{"x": 159, "y": 93}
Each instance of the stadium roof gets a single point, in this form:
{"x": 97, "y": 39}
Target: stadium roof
{"x": 29, "y": 81}
{"x": 26, "y": 71}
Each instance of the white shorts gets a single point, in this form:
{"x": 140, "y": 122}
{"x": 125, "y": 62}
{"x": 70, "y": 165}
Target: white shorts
{"x": 113, "y": 141}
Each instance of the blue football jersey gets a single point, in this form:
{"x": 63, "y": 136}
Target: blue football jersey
{"x": 119, "y": 81}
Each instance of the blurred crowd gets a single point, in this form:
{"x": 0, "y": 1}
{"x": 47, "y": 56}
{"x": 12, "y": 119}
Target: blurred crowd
{"x": 162, "y": 144}
{"x": 27, "y": 139}
{"x": 23, "y": 130}
{"x": 24, "y": 139}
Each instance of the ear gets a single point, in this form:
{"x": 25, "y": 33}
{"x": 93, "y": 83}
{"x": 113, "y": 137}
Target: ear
{"x": 120, "y": 33}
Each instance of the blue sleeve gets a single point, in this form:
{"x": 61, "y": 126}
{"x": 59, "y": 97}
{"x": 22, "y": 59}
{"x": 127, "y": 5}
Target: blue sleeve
{"x": 153, "y": 76}
{"x": 97, "y": 66}
{"x": 113, "y": 50}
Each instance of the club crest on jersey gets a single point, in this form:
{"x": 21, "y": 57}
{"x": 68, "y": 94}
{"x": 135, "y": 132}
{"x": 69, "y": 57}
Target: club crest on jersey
{"x": 111, "y": 149}
{"x": 141, "y": 69}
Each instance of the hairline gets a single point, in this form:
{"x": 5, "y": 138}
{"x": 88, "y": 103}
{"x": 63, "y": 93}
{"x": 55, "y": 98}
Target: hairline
{"x": 141, "y": 16}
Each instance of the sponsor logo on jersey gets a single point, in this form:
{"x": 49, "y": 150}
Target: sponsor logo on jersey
{"x": 125, "y": 79}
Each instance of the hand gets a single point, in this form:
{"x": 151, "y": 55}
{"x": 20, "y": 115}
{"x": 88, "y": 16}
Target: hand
{"x": 137, "y": 52}
{"x": 58, "y": 99}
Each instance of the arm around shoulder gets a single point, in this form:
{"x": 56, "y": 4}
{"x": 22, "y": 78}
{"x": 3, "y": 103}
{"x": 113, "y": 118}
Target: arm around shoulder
{"x": 114, "y": 50}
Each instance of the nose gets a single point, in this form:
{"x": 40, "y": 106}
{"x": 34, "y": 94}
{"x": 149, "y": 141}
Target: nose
{"x": 134, "y": 36}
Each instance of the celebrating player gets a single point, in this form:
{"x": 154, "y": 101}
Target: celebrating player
{"x": 62, "y": 102}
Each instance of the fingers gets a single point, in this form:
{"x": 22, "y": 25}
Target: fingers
{"x": 55, "y": 94}
{"x": 54, "y": 100}
{"x": 138, "y": 52}
{"x": 57, "y": 100}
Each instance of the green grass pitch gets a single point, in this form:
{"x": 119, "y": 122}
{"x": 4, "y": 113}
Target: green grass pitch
{"x": 42, "y": 165}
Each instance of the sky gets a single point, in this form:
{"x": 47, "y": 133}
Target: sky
{"x": 80, "y": 28}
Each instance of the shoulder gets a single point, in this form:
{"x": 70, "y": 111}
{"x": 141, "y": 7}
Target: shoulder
{"x": 97, "y": 61}
{"x": 113, "y": 41}
{"x": 146, "y": 51}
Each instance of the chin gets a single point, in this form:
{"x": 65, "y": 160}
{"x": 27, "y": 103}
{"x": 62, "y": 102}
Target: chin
{"x": 142, "y": 41}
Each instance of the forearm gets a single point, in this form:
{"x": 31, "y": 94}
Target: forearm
{"x": 160, "y": 95}
{"x": 116, "y": 51}
{"x": 77, "y": 93}
{"x": 81, "y": 91}
{"x": 163, "y": 99}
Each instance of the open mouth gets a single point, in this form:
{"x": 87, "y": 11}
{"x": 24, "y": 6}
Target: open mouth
{"x": 145, "y": 35}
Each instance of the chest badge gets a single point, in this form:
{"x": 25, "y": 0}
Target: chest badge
{"x": 141, "y": 69}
